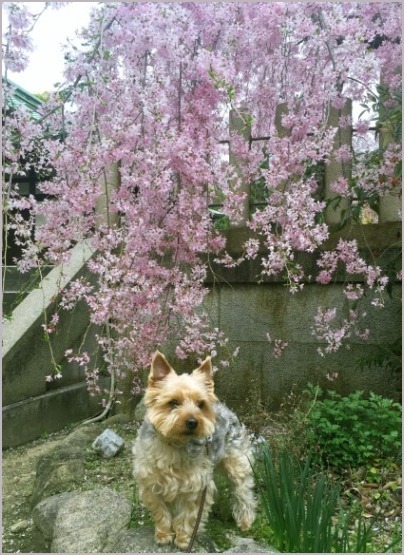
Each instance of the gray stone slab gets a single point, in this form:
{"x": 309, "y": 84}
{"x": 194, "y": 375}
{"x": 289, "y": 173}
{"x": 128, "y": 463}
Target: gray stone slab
{"x": 141, "y": 540}
{"x": 29, "y": 419}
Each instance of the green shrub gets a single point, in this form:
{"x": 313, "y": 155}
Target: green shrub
{"x": 352, "y": 431}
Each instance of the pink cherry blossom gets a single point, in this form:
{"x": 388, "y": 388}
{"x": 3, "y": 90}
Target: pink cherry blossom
{"x": 148, "y": 97}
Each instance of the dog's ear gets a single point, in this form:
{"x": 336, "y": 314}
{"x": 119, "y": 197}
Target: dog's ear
{"x": 205, "y": 368}
{"x": 205, "y": 374}
{"x": 160, "y": 368}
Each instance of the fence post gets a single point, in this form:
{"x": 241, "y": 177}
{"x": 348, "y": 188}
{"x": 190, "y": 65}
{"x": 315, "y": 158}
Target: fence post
{"x": 389, "y": 204}
{"x": 109, "y": 182}
{"x": 238, "y": 123}
{"x": 281, "y": 110}
{"x": 335, "y": 168}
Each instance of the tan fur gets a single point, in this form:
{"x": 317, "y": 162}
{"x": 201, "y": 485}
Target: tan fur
{"x": 172, "y": 464}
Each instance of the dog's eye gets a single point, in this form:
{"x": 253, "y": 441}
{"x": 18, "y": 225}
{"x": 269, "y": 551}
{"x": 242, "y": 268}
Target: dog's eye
{"x": 173, "y": 404}
{"x": 201, "y": 405}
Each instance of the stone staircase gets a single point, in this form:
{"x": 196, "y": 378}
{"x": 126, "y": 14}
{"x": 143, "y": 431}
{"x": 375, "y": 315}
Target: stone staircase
{"x": 17, "y": 286}
{"x": 31, "y": 405}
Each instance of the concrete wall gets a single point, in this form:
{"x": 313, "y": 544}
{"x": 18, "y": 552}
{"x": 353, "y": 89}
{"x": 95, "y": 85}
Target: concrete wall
{"x": 32, "y": 406}
{"x": 246, "y": 311}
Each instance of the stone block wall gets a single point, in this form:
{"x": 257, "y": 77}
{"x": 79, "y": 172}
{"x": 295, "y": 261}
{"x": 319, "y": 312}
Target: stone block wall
{"x": 31, "y": 405}
{"x": 246, "y": 311}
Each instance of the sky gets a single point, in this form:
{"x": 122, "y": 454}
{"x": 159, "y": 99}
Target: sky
{"x": 49, "y": 34}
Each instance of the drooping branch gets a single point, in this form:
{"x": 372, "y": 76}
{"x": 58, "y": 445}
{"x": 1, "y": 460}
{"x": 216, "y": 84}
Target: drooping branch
{"x": 67, "y": 94}
{"x": 153, "y": 91}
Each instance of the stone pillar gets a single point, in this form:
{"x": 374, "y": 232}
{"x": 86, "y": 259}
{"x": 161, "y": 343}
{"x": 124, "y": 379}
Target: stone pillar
{"x": 109, "y": 182}
{"x": 281, "y": 110}
{"x": 390, "y": 208}
{"x": 389, "y": 204}
{"x": 336, "y": 169}
{"x": 239, "y": 123}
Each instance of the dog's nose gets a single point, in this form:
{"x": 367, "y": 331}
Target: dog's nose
{"x": 191, "y": 423}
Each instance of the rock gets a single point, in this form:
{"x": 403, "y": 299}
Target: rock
{"x": 44, "y": 514}
{"x": 62, "y": 469}
{"x": 141, "y": 540}
{"x": 248, "y": 545}
{"x": 119, "y": 418}
{"x": 108, "y": 444}
{"x": 96, "y": 521}
{"x": 81, "y": 437}
{"x": 57, "y": 472}
{"x": 140, "y": 411}
{"x": 86, "y": 520}
{"x": 20, "y": 526}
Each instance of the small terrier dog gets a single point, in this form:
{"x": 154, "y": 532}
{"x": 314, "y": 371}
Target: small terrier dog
{"x": 186, "y": 434}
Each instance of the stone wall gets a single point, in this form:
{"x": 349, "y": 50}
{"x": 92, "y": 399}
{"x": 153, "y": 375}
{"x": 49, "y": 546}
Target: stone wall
{"x": 31, "y": 405}
{"x": 243, "y": 309}
{"x": 246, "y": 311}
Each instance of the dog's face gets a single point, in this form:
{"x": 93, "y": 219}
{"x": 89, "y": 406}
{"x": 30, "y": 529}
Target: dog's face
{"x": 180, "y": 406}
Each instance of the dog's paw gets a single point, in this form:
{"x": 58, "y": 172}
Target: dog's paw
{"x": 163, "y": 538}
{"x": 245, "y": 524}
{"x": 182, "y": 541}
{"x": 244, "y": 519}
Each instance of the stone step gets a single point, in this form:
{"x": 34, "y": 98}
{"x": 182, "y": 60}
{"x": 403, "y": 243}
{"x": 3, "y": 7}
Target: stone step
{"x": 27, "y": 420}
{"x": 18, "y": 285}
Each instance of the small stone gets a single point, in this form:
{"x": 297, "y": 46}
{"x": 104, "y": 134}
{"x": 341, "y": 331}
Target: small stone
{"x": 108, "y": 444}
{"x": 20, "y": 526}
{"x": 248, "y": 545}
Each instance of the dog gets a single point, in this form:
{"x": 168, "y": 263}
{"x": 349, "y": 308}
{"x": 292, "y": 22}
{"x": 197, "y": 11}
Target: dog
{"x": 185, "y": 435}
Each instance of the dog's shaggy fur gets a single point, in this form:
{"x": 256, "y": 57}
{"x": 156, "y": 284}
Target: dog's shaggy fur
{"x": 185, "y": 435}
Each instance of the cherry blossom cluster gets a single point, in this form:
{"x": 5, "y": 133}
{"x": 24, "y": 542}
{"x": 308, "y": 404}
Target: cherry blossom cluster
{"x": 278, "y": 346}
{"x": 379, "y": 178}
{"x": 333, "y": 331}
{"x": 147, "y": 96}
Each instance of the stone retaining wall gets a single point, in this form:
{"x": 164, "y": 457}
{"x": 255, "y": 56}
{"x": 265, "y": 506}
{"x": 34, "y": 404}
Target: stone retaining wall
{"x": 245, "y": 311}
{"x": 32, "y": 406}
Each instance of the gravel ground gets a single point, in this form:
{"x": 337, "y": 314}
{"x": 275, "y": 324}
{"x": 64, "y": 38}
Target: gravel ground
{"x": 19, "y": 468}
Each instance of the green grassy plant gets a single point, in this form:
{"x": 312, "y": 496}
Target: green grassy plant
{"x": 303, "y": 509}
{"x": 299, "y": 509}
